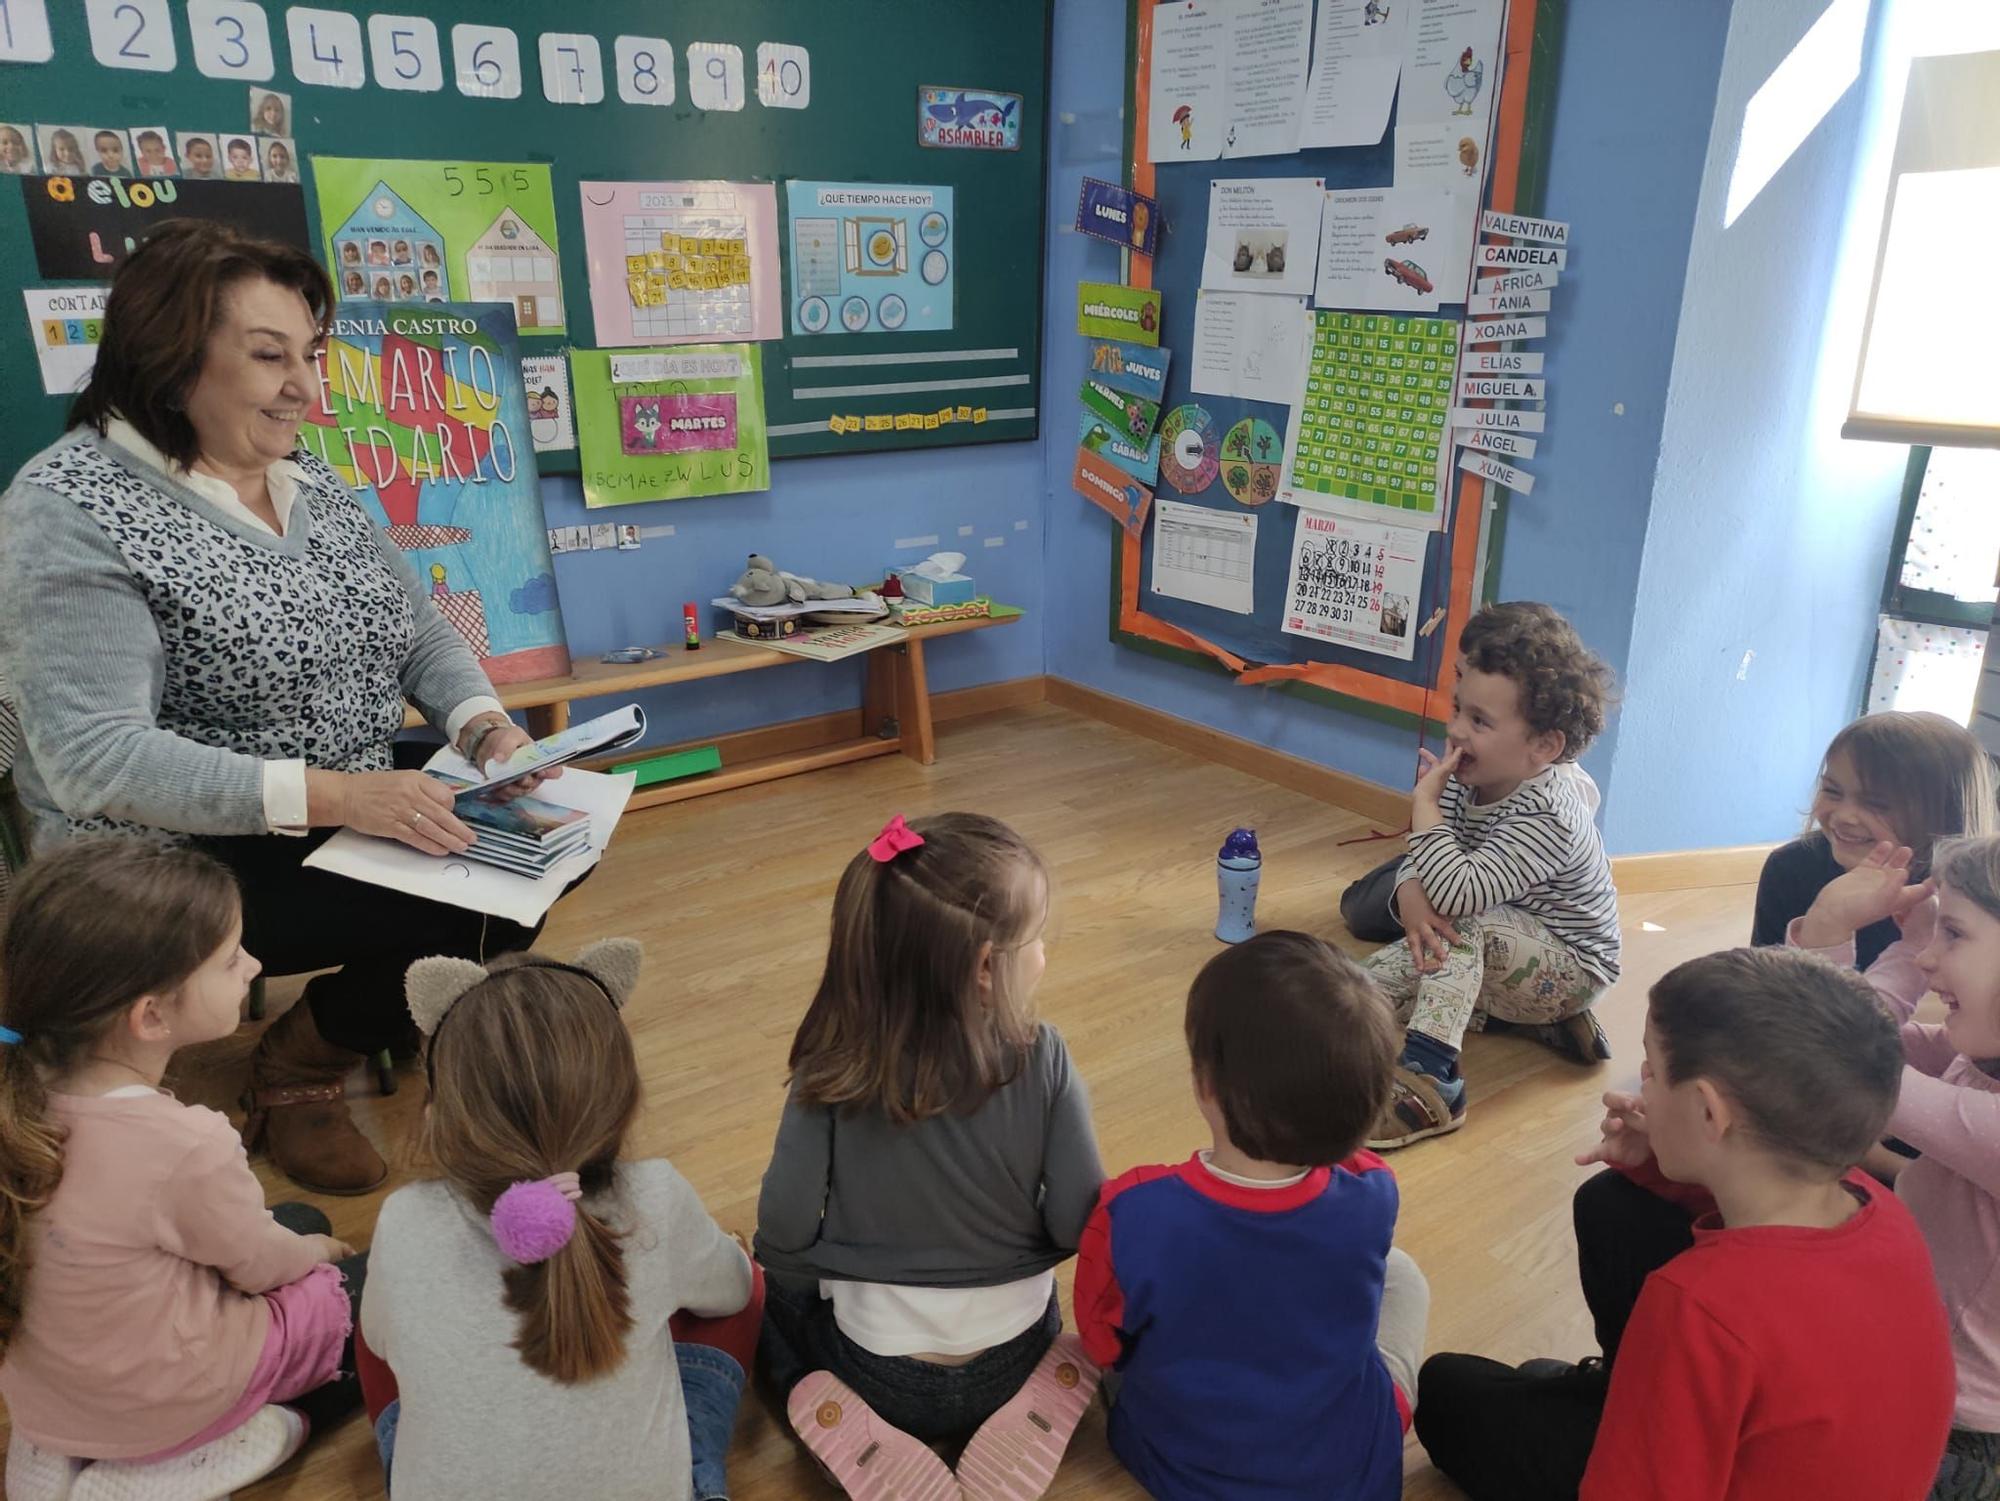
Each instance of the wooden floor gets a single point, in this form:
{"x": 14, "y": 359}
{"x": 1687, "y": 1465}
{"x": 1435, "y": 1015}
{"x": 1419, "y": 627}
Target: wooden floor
{"x": 731, "y": 895}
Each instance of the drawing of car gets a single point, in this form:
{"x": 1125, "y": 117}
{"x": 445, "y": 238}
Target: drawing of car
{"x": 1409, "y": 234}
{"x": 1409, "y": 273}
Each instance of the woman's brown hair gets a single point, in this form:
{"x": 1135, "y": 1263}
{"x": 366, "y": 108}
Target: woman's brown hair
{"x": 900, "y": 1022}
{"x": 1933, "y": 778}
{"x": 166, "y": 300}
{"x": 532, "y": 1074}
{"x": 95, "y": 925}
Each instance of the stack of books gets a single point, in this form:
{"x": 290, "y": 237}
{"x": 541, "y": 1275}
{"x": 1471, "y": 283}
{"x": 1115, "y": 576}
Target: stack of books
{"x": 526, "y": 835}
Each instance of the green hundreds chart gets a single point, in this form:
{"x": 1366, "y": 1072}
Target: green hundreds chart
{"x": 1378, "y": 394}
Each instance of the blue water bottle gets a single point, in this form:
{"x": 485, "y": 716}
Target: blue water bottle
{"x": 1237, "y": 866}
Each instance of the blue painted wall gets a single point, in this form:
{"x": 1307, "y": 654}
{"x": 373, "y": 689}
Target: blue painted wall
{"x": 1635, "y": 96}
{"x": 836, "y": 518}
{"x": 1764, "y": 558}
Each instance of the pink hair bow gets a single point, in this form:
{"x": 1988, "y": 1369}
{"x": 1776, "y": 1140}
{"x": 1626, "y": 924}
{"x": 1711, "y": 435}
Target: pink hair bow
{"x": 896, "y": 836}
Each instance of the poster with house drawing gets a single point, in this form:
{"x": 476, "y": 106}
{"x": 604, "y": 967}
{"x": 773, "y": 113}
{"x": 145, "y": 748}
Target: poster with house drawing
{"x": 444, "y": 231}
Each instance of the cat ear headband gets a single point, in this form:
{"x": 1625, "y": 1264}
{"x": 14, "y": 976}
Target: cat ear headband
{"x": 531, "y": 1220}
{"x": 435, "y": 985}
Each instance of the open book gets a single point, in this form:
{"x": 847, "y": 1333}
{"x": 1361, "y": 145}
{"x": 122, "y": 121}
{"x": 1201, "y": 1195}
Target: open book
{"x": 594, "y": 737}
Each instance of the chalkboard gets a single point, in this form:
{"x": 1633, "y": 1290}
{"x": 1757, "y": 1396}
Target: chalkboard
{"x": 761, "y": 90}
{"x": 1460, "y": 559}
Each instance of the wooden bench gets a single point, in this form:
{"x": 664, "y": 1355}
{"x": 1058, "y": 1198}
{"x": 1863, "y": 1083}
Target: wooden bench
{"x": 895, "y": 703}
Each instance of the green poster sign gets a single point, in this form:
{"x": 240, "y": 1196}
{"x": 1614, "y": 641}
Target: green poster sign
{"x": 670, "y": 424}
{"x": 1106, "y": 310}
{"x": 438, "y": 231}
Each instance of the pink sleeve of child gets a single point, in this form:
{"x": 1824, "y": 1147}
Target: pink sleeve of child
{"x": 1953, "y": 1125}
{"x": 211, "y": 1211}
{"x": 1894, "y": 974}
{"x": 1926, "y": 1049}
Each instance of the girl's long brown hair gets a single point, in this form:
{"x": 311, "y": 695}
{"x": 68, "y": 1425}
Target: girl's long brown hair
{"x": 95, "y": 925}
{"x": 899, "y": 1023}
{"x": 1936, "y": 779}
{"x": 532, "y": 1074}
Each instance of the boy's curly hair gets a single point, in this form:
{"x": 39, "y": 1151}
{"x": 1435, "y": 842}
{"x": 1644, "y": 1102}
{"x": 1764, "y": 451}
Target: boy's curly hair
{"x": 1564, "y": 685}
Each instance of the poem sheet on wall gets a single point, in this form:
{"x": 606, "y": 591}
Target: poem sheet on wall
{"x": 1189, "y": 92}
{"x": 1357, "y": 58}
{"x": 1268, "y": 40}
{"x": 1263, "y": 234}
{"x": 1250, "y": 347}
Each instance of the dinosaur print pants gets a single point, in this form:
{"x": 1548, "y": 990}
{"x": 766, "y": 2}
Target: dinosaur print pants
{"x": 1506, "y": 964}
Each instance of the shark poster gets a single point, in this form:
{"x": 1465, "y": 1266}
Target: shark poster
{"x": 422, "y": 410}
{"x": 968, "y": 119}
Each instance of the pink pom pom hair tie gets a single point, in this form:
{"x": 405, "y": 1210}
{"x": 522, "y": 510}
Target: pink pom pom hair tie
{"x": 896, "y": 836}
{"x": 535, "y": 1218}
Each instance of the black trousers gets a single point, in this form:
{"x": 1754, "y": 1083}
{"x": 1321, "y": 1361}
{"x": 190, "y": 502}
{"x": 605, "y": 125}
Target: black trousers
{"x": 932, "y": 1402}
{"x": 325, "y": 1405}
{"x": 297, "y": 920}
{"x": 1503, "y": 1436}
{"x": 1364, "y": 906}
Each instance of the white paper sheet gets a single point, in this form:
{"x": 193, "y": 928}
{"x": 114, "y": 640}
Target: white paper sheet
{"x": 1189, "y": 93}
{"x": 1451, "y": 64}
{"x": 1263, "y": 234}
{"x": 1355, "y": 583}
{"x": 1268, "y": 40}
{"x": 1441, "y": 154}
{"x": 1518, "y": 480}
{"x": 1357, "y": 58}
{"x": 471, "y": 883}
{"x": 1250, "y": 347}
{"x": 1392, "y": 250}
{"x": 1204, "y": 555}
{"x": 65, "y": 323}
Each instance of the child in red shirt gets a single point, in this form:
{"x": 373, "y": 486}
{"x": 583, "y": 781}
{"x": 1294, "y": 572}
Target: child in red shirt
{"x": 1799, "y": 1347}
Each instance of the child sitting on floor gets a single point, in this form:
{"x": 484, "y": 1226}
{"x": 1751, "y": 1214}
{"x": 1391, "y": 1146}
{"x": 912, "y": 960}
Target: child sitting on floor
{"x": 152, "y": 1311}
{"x": 545, "y": 1319}
{"x": 1506, "y": 895}
{"x": 1266, "y": 1334}
{"x": 1895, "y": 778}
{"x": 1949, "y": 1108}
{"x": 1798, "y": 1347}
{"x": 934, "y": 1164}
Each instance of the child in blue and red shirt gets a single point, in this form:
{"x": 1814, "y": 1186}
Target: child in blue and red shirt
{"x": 1265, "y": 1334}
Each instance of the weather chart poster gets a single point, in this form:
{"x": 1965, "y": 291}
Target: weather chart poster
{"x": 422, "y": 411}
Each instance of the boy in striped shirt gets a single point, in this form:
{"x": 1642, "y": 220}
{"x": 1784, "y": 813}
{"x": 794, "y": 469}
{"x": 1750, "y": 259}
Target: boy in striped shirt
{"x": 1505, "y": 900}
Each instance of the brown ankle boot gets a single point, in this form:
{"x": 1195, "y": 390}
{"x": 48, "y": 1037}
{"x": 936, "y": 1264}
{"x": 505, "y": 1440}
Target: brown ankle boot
{"x": 298, "y": 1109}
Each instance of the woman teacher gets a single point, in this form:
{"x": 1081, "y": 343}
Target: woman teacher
{"x": 208, "y": 637}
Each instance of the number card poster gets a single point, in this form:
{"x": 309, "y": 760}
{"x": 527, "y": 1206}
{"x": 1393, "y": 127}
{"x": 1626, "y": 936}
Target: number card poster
{"x": 438, "y": 231}
{"x": 1355, "y": 583}
{"x": 1368, "y": 430}
{"x": 422, "y": 410}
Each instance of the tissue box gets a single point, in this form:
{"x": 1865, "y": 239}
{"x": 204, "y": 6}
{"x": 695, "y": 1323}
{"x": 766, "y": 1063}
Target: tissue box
{"x": 952, "y": 589}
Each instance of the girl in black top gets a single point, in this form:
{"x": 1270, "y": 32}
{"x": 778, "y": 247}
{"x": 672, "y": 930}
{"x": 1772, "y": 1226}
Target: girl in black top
{"x": 1905, "y": 778}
